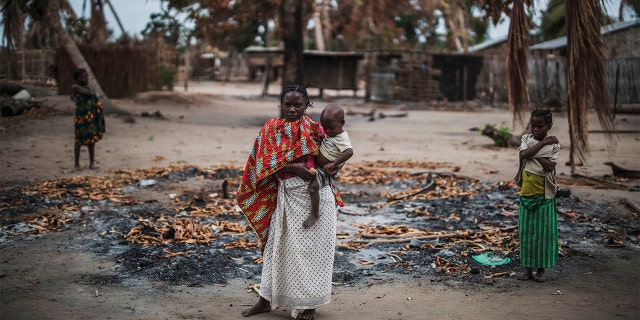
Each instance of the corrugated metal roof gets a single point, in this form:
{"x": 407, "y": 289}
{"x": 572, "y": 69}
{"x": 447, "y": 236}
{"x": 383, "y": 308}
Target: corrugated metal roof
{"x": 561, "y": 42}
{"x": 488, "y": 44}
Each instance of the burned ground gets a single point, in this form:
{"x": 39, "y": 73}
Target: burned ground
{"x": 175, "y": 226}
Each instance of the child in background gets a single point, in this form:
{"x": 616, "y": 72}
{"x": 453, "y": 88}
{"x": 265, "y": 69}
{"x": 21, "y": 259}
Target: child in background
{"x": 538, "y": 214}
{"x": 335, "y": 150}
{"x": 89, "y": 126}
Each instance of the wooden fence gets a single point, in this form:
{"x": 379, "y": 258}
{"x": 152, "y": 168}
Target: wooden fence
{"x": 548, "y": 79}
{"x": 28, "y": 65}
{"x": 122, "y": 70}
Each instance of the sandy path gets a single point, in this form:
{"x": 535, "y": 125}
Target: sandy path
{"x": 44, "y": 275}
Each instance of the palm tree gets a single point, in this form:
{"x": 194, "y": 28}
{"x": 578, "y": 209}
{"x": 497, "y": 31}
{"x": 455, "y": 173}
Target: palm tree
{"x": 292, "y": 28}
{"x": 586, "y": 72}
{"x": 517, "y": 68}
{"x": 586, "y": 76}
{"x": 49, "y": 11}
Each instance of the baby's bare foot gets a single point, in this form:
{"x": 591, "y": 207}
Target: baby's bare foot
{"x": 311, "y": 220}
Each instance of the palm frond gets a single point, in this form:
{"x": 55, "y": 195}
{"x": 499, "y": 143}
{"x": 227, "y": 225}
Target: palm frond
{"x": 13, "y": 18}
{"x": 517, "y": 68}
{"x": 586, "y": 75}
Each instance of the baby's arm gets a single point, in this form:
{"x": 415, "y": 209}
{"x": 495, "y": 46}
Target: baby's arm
{"x": 331, "y": 167}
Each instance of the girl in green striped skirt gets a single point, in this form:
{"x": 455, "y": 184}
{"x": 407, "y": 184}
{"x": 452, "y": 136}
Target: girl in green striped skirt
{"x": 537, "y": 217}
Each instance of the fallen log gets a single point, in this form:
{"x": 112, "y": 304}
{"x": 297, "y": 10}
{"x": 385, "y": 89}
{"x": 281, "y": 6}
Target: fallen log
{"x": 501, "y": 139}
{"x": 431, "y": 184}
{"x": 392, "y": 236}
{"x": 619, "y": 171}
{"x": 627, "y": 109}
{"x": 600, "y": 181}
{"x": 631, "y": 203}
{"x": 392, "y": 115}
{"x": 403, "y": 238}
{"x": 10, "y": 107}
{"x": 497, "y": 274}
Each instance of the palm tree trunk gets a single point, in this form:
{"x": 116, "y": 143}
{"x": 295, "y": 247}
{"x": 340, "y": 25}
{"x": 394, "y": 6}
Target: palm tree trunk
{"x": 327, "y": 27}
{"x": 291, "y": 17}
{"x": 78, "y": 59}
{"x": 318, "y": 32}
{"x": 115, "y": 14}
{"x": 517, "y": 68}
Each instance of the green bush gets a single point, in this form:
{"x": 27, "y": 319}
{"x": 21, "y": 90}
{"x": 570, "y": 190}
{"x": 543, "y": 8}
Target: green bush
{"x": 504, "y": 134}
{"x": 499, "y": 135}
{"x": 167, "y": 76}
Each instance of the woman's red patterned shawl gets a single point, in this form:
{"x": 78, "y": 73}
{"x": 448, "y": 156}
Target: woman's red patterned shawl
{"x": 279, "y": 143}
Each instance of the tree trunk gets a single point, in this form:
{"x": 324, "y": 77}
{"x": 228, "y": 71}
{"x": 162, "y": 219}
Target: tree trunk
{"x": 318, "y": 32}
{"x": 115, "y": 14}
{"x": 449, "y": 16}
{"x": 291, "y": 17}
{"x": 463, "y": 33}
{"x": 327, "y": 27}
{"x": 97, "y": 24}
{"x": 78, "y": 59}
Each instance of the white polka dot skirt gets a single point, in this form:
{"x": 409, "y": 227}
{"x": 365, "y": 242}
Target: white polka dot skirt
{"x": 298, "y": 262}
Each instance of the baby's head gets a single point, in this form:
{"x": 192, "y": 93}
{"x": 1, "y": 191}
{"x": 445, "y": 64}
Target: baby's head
{"x": 332, "y": 119}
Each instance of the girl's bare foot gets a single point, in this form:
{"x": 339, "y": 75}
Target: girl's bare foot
{"x": 540, "y": 275}
{"x": 307, "y": 314}
{"x": 263, "y": 305}
{"x": 527, "y": 275}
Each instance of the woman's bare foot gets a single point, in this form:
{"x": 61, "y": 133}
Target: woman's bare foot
{"x": 311, "y": 220}
{"x": 263, "y": 305}
{"x": 307, "y": 314}
{"x": 540, "y": 275}
{"x": 527, "y": 275}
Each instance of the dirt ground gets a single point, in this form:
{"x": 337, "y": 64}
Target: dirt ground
{"x": 61, "y": 275}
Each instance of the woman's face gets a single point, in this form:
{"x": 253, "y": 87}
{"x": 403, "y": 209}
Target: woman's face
{"x": 293, "y": 106}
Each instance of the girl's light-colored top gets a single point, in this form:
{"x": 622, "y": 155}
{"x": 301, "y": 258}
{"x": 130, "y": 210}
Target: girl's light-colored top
{"x": 532, "y": 165}
{"x": 332, "y": 147}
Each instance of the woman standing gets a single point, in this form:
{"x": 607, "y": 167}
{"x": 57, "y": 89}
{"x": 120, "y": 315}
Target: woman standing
{"x": 88, "y": 122}
{"x": 273, "y": 194}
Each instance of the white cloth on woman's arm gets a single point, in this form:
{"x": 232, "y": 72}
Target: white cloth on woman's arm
{"x": 332, "y": 147}
{"x": 298, "y": 262}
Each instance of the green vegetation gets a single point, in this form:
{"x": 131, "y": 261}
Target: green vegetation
{"x": 499, "y": 135}
{"x": 167, "y": 76}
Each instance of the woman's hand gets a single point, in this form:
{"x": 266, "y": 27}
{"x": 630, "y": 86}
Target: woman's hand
{"x": 300, "y": 170}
